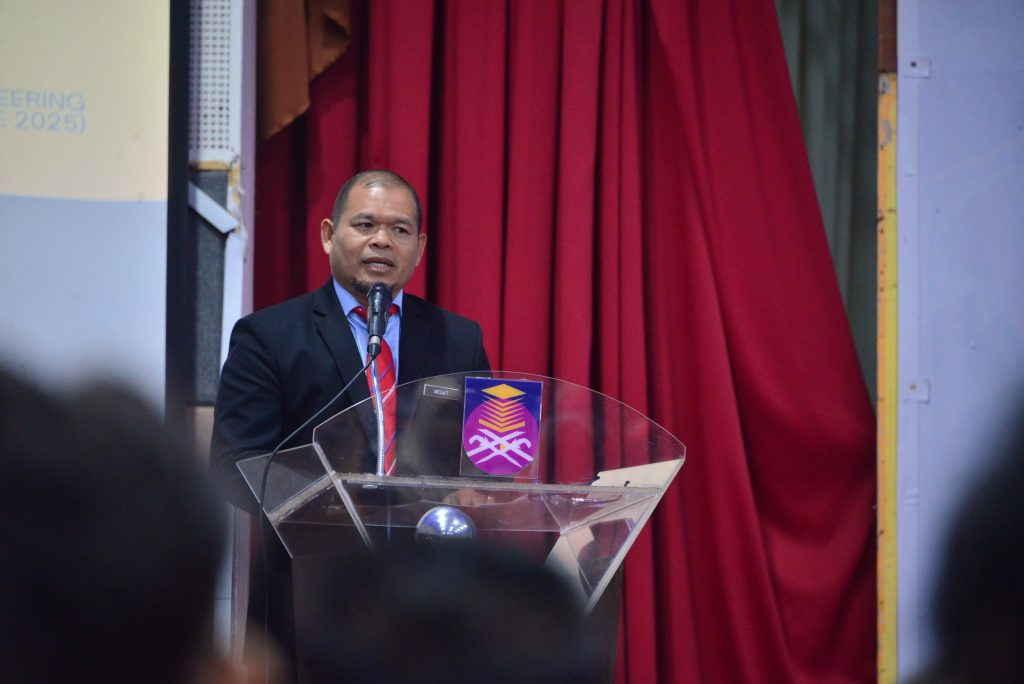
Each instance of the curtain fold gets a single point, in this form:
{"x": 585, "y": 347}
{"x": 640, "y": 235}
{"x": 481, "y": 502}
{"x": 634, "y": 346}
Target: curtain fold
{"x": 296, "y": 41}
{"x": 831, "y": 48}
{"x": 618, "y": 191}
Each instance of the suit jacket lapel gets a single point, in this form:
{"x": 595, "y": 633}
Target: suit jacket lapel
{"x": 334, "y": 330}
{"x": 414, "y": 347}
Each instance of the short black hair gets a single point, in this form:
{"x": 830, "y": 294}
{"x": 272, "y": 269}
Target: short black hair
{"x": 978, "y": 605}
{"x": 372, "y": 179}
{"x": 111, "y": 541}
{"x": 458, "y": 612}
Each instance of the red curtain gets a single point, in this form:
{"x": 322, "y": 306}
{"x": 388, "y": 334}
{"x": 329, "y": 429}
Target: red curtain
{"x": 618, "y": 192}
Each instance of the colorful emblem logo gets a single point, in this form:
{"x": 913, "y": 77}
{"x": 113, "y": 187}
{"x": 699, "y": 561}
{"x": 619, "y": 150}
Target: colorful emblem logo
{"x": 501, "y": 428}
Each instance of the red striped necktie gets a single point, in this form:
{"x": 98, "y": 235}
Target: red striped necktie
{"x": 385, "y": 367}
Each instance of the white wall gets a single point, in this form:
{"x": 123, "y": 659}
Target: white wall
{"x": 960, "y": 160}
{"x": 82, "y": 291}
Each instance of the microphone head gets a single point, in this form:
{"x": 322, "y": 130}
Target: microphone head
{"x": 379, "y": 299}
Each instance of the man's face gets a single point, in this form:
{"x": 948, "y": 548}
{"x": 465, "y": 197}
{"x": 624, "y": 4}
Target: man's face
{"x": 375, "y": 240}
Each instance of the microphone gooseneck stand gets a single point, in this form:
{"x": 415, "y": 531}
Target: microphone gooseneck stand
{"x": 378, "y": 408}
{"x": 378, "y": 301}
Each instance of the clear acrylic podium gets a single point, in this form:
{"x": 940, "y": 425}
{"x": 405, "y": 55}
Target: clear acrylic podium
{"x": 598, "y": 471}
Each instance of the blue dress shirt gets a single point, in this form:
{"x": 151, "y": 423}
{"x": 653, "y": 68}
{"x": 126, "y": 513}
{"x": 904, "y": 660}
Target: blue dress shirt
{"x": 358, "y": 326}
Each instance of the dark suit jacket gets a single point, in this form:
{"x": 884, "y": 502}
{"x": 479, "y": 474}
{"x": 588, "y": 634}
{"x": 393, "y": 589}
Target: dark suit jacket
{"x": 287, "y": 361}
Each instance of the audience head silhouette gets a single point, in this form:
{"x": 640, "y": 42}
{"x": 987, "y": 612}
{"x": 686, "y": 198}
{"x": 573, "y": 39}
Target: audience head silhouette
{"x": 110, "y": 542}
{"x": 979, "y": 603}
{"x": 455, "y": 613}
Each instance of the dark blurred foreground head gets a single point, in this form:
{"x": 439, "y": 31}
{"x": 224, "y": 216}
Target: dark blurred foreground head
{"x": 454, "y": 613}
{"x": 979, "y": 603}
{"x": 110, "y": 543}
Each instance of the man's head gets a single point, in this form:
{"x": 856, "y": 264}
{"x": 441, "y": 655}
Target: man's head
{"x": 456, "y": 612}
{"x": 374, "y": 233}
{"x": 979, "y": 599}
{"x": 111, "y": 543}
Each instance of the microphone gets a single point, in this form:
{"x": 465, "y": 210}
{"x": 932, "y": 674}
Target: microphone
{"x": 379, "y": 300}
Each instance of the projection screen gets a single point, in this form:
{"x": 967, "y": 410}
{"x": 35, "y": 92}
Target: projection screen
{"x": 83, "y": 190}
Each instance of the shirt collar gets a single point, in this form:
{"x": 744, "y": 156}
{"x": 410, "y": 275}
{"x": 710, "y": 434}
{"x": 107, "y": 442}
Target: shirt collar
{"x": 348, "y": 302}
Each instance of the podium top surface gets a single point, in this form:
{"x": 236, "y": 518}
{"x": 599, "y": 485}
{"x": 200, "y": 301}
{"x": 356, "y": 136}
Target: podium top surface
{"x": 500, "y": 425}
{"x": 546, "y": 466}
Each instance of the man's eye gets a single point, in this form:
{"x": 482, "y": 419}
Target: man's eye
{"x": 401, "y": 230}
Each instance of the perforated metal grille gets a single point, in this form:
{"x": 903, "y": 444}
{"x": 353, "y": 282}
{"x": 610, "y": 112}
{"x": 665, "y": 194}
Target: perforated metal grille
{"x": 211, "y": 81}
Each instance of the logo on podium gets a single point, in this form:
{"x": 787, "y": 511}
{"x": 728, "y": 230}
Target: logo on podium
{"x": 501, "y": 424}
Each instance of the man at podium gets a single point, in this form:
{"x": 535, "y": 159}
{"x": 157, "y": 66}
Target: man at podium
{"x": 287, "y": 362}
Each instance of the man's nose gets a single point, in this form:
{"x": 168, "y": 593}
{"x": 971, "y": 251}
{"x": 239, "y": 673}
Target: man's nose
{"x": 381, "y": 237}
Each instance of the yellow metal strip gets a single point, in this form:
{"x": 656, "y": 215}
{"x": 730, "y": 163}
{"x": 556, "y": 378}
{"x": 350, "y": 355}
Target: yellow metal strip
{"x": 888, "y": 386}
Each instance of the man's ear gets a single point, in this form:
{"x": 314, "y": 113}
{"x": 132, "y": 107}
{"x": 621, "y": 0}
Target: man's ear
{"x": 326, "y": 233}
{"x": 423, "y": 245}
